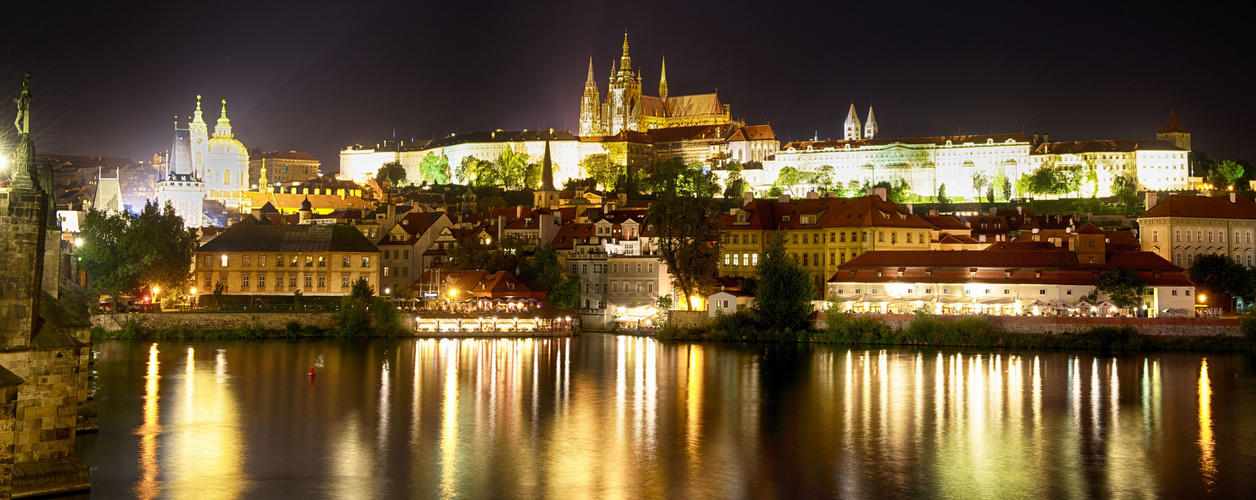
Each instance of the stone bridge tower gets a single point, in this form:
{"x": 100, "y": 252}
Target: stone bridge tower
{"x": 43, "y": 354}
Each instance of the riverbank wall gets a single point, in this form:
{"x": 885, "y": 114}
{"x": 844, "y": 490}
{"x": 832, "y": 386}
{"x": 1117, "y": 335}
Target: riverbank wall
{"x": 212, "y": 320}
{"x": 1049, "y": 325}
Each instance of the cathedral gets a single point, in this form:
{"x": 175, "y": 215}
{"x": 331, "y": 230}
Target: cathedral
{"x": 199, "y": 166}
{"x": 626, "y": 109}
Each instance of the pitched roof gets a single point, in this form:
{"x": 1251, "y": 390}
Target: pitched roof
{"x": 936, "y": 141}
{"x": 250, "y": 235}
{"x": 692, "y": 133}
{"x": 286, "y": 155}
{"x": 682, "y": 105}
{"x": 1172, "y": 125}
{"x": 864, "y": 211}
{"x": 1104, "y": 146}
{"x": 1203, "y": 207}
{"x": 944, "y": 222}
{"x": 570, "y": 232}
{"x": 753, "y": 133}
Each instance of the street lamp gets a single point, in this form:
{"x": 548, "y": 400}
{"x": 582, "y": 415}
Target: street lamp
{"x": 194, "y": 297}
{"x": 156, "y": 289}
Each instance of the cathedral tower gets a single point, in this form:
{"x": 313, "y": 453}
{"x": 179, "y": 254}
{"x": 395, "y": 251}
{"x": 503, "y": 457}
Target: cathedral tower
{"x": 623, "y": 110}
{"x": 590, "y": 107}
{"x": 870, "y": 129}
{"x": 852, "y": 128}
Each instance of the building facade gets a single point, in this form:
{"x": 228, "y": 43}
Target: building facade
{"x": 1181, "y": 228}
{"x": 283, "y": 167}
{"x": 259, "y": 258}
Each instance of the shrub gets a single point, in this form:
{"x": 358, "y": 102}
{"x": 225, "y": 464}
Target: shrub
{"x": 388, "y": 321}
{"x": 1248, "y": 326}
{"x": 353, "y": 318}
{"x": 293, "y": 327}
{"x": 311, "y": 331}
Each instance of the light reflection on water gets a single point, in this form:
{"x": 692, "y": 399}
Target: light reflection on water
{"x": 605, "y": 416}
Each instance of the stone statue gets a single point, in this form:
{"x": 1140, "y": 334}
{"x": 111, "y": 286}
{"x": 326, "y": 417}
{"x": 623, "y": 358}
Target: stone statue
{"x": 23, "y": 120}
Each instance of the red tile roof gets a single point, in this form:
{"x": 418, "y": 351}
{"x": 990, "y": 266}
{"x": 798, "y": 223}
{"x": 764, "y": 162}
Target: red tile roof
{"x": 1202, "y": 206}
{"x": 1172, "y": 125}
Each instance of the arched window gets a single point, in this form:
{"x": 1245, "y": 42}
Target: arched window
{"x": 226, "y": 178}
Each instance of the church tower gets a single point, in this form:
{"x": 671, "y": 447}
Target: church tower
{"x": 547, "y": 196}
{"x": 1174, "y": 133}
{"x": 590, "y": 107}
{"x": 852, "y": 128}
{"x": 663, "y": 82}
{"x": 180, "y": 187}
{"x": 623, "y": 97}
{"x": 200, "y": 141}
{"x": 871, "y": 130}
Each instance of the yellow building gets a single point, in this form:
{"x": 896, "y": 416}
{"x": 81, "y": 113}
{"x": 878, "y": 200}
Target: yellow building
{"x": 820, "y": 233}
{"x": 260, "y": 258}
{"x": 1181, "y": 228}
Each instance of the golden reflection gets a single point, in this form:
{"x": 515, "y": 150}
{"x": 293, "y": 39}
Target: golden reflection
{"x": 385, "y": 406}
{"x": 1094, "y": 398}
{"x": 693, "y": 406}
{"x": 1207, "y": 462}
{"x": 449, "y": 422}
{"x": 1114, "y": 396}
{"x": 148, "y": 487}
{"x": 206, "y": 457}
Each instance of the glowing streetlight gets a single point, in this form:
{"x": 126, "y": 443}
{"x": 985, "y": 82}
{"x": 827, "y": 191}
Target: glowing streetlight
{"x": 78, "y": 242}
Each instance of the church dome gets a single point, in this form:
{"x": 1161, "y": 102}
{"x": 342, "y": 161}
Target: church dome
{"x": 224, "y": 142}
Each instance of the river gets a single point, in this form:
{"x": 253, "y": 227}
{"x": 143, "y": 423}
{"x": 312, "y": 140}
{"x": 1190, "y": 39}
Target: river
{"x": 604, "y": 416}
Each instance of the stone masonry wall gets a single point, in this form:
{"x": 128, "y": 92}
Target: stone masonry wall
{"x": 687, "y": 319}
{"x": 213, "y": 320}
{"x": 1047, "y": 325}
{"x": 47, "y": 403}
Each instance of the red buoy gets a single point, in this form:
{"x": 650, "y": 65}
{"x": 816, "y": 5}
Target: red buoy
{"x": 311, "y": 372}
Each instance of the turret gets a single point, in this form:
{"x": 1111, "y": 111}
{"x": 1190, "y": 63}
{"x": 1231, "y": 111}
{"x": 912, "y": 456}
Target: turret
{"x": 625, "y": 62}
{"x": 223, "y": 128}
{"x": 1174, "y": 133}
{"x": 306, "y": 211}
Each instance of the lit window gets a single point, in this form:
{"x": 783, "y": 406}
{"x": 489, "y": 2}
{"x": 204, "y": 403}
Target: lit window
{"x": 224, "y": 261}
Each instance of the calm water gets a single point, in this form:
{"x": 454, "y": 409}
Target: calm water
{"x": 604, "y": 417}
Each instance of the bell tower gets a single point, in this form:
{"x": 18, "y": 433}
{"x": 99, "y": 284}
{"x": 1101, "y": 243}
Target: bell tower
{"x": 851, "y": 128}
{"x": 590, "y": 107}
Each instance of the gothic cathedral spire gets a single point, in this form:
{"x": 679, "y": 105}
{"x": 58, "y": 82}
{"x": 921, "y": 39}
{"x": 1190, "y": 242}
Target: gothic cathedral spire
{"x": 625, "y": 62}
{"x": 590, "y": 107}
{"x": 663, "y": 81}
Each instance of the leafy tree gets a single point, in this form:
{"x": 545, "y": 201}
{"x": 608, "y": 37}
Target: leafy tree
{"x": 1126, "y": 191}
{"x": 488, "y": 203}
{"x": 824, "y": 177}
{"x": 663, "y": 302}
{"x": 1003, "y": 185}
{"x": 392, "y": 170}
{"x": 471, "y": 253}
{"x": 1221, "y": 276}
{"x": 895, "y": 192}
{"x": 602, "y": 169}
{"x": 510, "y": 169}
{"x": 574, "y": 184}
{"x": 736, "y": 188}
{"x": 467, "y": 169}
{"x": 942, "y": 198}
{"x": 788, "y": 177}
{"x": 362, "y": 289}
{"x": 122, "y": 252}
{"x": 686, "y": 224}
{"x": 434, "y": 169}
{"x": 1123, "y": 287}
{"x": 564, "y": 289}
{"x": 775, "y": 191}
{"x": 980, "y": 180}
{"x": 785, "y": 290}
{"x": 1231, "y": 170}
{"x": 532, "y": 176}
{"x": 1046, "y": 181}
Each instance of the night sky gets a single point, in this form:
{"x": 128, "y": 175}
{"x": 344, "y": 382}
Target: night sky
{"x": 317, "y": 76}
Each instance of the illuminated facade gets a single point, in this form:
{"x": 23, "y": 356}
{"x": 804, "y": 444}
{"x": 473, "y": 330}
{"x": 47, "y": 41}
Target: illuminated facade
{"x": 1181, "y": 228}
{"x": 180, "y": 186}
{"x": 927, "y": 163}
{"x": 226, "y": 159}
{"x": 259, "y": 258}
{"x": 627, "y": 109}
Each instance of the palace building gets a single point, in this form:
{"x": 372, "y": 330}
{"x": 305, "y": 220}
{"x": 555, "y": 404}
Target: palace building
{"x": 928, "y": 163}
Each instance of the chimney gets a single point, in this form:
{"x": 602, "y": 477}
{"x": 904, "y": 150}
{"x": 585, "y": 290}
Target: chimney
{"x": 879, "y": 192}
{"x": 392, "y": 211}
{"x": 1150, "y": 198}
{"x": 1233, "y": 197}
{"x": 1045, "y": 137}
{"x": 501, "y": 226}
{"x": 812, "y": 195}
{"x": 747, "y": 198}
{"x": 1035, "y": 138}
{"x": 518, "y": 211}
{"x": 784, "y": 198}
{"x": 910, "y": 209}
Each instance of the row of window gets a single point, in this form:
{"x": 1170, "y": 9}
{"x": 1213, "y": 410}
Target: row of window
{"x": 1199, "y": 236}
{"x": 615, "y": 286}
{"x": 806, "y": 260}
{"x": 292, "y": 261}
{"x": 396, "y": 254}
{"x": 396, "y": 271}
{"x": 965, "y": 291}
{"x": 612, "y": 267}
{"x": 247, "y": 281}
{"x": 834, "y": 237}
{"x": 1190, "y": 259}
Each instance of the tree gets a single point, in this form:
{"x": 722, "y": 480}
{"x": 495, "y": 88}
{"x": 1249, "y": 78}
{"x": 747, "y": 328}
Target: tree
{"x": 1222, "y": 276}
{"x": 122, "y": 252}
{"x": 467, "y": 169}
{"x": 394, "y": 171}
{"x": 1231, "y": 170}
{"x": 824, "y": 177}
{"x": 362, "y": 289}
{"x": 788, "y": 177}
{"x": 1126, "y": 191}
{"x": 942, "y": 199}
{"x": 564, "y": 289}
{"x": 470, "y": 253}
{"x": 511, "y": 169}
{"x": 980, "y": 180}
{"x": 602, "y": 169}
{"x": 1003, "y": 185}
{"x": 1123, "y": 287}
{"x": 784, "y": 291}
{"x": 686, "y": 224}
{"x": 434, "y": 169}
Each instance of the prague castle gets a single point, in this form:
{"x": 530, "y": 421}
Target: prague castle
{"x": 626, "y": 109}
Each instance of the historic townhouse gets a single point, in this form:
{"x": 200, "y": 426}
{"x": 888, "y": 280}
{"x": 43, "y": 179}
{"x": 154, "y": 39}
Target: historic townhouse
{"x": 995, "y": 281}
{"x": 820, "y": 233}
{"x": 403, "y": 247}
{"x": 1181, "y": 228}
{"x": 260, "y": 258}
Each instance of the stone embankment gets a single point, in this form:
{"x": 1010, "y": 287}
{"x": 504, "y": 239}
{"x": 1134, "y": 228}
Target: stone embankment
{"x": 1047, "y": 325}
{"x": 212, "y": 320}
